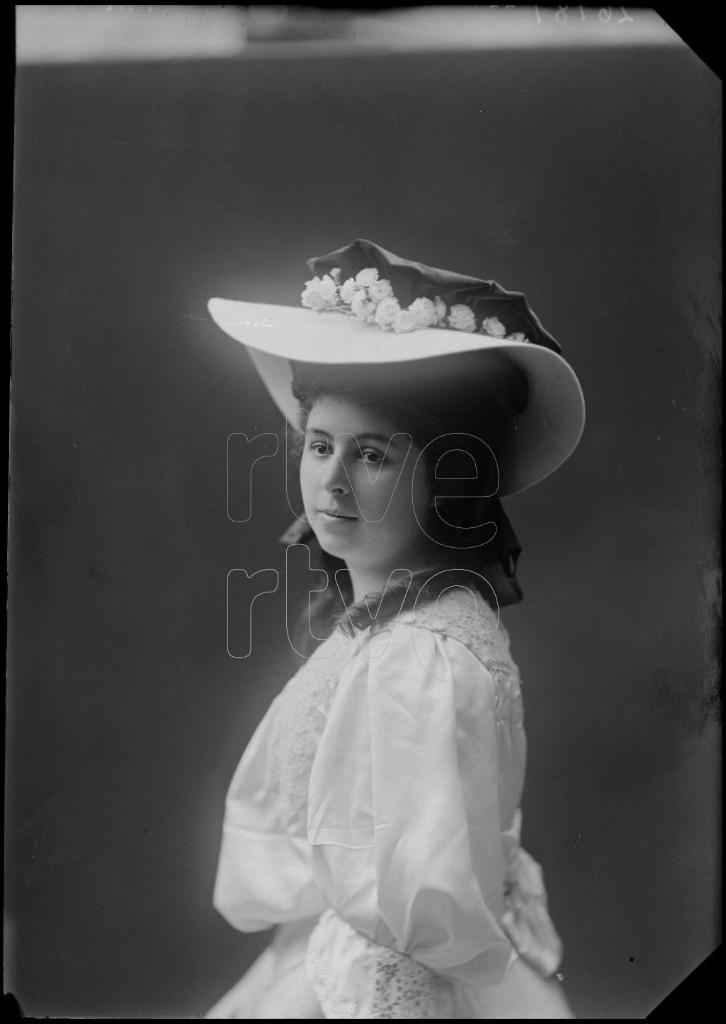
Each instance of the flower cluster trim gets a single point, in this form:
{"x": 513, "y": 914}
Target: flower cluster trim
{"x": 370, "y": 299}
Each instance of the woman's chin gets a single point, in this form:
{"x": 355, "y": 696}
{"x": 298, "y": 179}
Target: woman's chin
{"x": 332, "y": 547}
{"x": 335, "y": 536}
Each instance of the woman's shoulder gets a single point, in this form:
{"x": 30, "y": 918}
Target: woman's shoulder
{"x": 463, "y": 615}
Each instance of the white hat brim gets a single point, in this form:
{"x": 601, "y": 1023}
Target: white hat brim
{"x": 547, "y": 431}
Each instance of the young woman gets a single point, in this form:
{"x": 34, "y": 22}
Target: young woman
{"x": 374, "y": 816}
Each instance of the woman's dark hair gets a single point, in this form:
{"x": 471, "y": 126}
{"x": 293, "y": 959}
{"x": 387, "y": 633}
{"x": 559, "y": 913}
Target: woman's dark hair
{"x": 449, "y": 410}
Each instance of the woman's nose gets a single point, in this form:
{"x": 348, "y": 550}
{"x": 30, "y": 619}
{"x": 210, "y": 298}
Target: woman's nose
{"x": 335, "y": 478}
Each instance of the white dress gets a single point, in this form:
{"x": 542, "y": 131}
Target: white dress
{"x": 375, "y": 818}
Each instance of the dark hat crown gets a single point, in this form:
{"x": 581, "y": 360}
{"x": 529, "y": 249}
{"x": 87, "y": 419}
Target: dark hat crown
{"x": 411, "y": 280}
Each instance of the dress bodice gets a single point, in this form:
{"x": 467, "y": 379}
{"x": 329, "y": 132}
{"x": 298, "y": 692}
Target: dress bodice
{"x": 381, "y": 794}
{"x": 304, "y": 703}
{"x": 298, "y": 725}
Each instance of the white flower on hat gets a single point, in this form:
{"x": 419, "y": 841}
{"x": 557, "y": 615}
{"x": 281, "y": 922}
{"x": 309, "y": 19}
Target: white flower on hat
{"x": 462, "y": 318}
{"x": 367, "y": 276}
{"x": 361, "y": 306}
{"x": 348, "y": 290}
{"x": 320, "y": 293}
{"x": 380, "y": 290}
{"x": 494, "y": 327}
{"x": 424, "y": 311}
{"x": 404, "y": 321}
{"x": 371, "y": 300}
{"x": 386, "y": 312}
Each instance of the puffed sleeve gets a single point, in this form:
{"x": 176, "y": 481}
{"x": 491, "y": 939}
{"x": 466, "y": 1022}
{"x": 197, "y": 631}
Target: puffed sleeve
{"x": 263, "y": 875}
{"x": 404, "y": 820}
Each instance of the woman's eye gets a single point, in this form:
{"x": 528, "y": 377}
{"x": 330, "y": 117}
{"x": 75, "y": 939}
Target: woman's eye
{"x": 316, "y": 446}
{"x": 372, "y": 457}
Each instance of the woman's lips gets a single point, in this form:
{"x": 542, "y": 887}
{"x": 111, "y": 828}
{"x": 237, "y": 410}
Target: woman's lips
{"x": 331, "y": 514}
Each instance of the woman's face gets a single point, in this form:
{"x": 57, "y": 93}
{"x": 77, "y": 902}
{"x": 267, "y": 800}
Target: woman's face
{"x": 361, "y": 495}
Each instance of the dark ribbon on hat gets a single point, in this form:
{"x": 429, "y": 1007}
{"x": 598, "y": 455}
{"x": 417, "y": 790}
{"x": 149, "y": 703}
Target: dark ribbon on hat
{"x": 411, "y": 280}
{"x": 506, "y": 549}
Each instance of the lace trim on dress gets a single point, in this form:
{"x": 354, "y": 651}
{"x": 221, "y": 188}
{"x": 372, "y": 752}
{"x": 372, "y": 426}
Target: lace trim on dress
{"x": 356, "y": 978}
{"x": 299, "y": 723}
{"x": 468, "y": 618}
{"x": 403, "y": 989}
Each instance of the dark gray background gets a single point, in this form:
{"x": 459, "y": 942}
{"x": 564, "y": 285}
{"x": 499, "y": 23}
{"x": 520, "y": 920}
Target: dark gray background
{"x": 590, "y": 181}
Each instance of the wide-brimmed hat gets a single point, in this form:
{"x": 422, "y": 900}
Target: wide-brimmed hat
{"x": 367, "y": 306}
